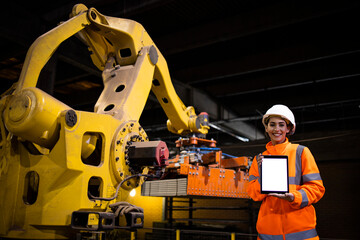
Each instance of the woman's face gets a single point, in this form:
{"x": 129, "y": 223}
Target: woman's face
{"x": 277, "y": 130}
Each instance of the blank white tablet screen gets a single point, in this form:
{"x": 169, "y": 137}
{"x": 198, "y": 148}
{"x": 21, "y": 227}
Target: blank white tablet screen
{"x": 274, "y": 174}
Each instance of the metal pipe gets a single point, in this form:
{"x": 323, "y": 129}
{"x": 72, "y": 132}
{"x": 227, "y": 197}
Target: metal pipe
{"x": 177, "y": 234}
{"x": 227, "y": 132}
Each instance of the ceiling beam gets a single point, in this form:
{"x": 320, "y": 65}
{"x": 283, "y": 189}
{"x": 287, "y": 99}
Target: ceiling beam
{"x": 217, "y": 112}
{"x": 280, "y": 14}
{"x": 291, "y": 85}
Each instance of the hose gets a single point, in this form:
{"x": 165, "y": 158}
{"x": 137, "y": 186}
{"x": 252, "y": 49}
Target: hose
{"x": 122, "y": 208}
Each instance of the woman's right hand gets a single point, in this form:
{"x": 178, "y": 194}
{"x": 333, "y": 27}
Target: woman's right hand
{"x": 259, "y": 159}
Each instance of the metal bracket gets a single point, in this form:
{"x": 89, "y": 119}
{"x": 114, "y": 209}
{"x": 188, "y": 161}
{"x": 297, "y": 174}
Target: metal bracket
{"x": 95, "y": 221}
{"x": 92, "y": 221}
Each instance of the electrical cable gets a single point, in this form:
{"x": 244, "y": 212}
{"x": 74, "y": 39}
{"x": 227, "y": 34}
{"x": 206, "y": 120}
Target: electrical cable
{"x": 228, "y": 155}
{"x": 206, "y": 148}
{"x": 209, "y": 150}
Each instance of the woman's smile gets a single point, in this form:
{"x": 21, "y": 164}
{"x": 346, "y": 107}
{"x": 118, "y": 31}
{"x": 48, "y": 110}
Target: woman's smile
{"x": 277, "y": 130}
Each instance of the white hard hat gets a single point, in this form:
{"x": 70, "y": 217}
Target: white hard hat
{"x": 282, "y": 111}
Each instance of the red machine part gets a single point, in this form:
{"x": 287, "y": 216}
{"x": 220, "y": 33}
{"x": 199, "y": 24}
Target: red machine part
{"x": 152, "y": 153}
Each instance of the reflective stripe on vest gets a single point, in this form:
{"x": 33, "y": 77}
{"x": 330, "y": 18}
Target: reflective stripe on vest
{"x": 298, "y": 168}
{"x": 298, "y": 164}
{"x": 300, "y": 179}
{"x": 291, "y": 236}
{"x": 311, "y": 177}
{"x": 301, "y": 235}
{"x": 305, "y": 200}
{"x": 252, "y": 177}
{"x": 305, "y": 178}
{"x": 270, "y": 237}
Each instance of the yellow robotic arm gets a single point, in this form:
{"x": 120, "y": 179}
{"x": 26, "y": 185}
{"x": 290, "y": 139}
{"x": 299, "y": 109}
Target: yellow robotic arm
{"x": 129, "y": 58}
{"x": 126, "y": 54}
{"x": 57, "y": 163}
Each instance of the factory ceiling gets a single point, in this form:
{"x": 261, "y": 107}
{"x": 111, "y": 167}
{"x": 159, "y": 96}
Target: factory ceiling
{"x": 233, "y": 59}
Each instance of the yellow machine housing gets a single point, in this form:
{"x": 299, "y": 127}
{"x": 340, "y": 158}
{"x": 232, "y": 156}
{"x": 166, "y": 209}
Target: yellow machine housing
{"x": 33, "y": 115}
{"x": 54, "y": 158}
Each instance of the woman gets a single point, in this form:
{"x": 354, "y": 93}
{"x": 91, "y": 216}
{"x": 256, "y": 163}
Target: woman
{"x": 290, "y": 215}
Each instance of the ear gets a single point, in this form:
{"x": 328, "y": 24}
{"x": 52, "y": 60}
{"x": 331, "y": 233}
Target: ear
{"x": 288, "y": 129}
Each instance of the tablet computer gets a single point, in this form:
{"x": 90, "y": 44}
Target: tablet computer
{"x": 274, "y": 174}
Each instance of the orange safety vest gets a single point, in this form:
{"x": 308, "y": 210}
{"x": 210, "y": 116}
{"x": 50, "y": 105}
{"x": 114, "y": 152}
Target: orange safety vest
{"x": 279, "y": 219}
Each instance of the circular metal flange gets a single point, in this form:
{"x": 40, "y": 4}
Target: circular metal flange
{"x": 127, "y": 133}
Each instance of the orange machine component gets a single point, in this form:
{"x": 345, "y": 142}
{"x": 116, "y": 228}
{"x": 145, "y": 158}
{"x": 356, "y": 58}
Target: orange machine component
{"x": 195, "y": 141}
{"x": 239, "y": 162}
{"x": 211, "y": 158}
{"x": 215, "y": 182}
{"x": 201, "y": 169}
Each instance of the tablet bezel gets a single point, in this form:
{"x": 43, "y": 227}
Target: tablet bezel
{"x": 287, "y": 174}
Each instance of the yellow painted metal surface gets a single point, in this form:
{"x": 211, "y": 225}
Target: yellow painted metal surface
{"x": 51, "y": 156}
{"x": 44, "y": 46}
{"x": 177, "y": 234}
{"x": 32, "y": 115}
{"x": 63, "y": 181}
{"x": 104, "y": 42}
{"x": 232, "y": 236}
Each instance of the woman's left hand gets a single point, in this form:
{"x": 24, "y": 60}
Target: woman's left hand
{"x": 286, "y": 196}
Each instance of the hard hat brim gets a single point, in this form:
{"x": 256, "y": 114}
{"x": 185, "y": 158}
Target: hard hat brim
{"x": 266, "y": 118}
